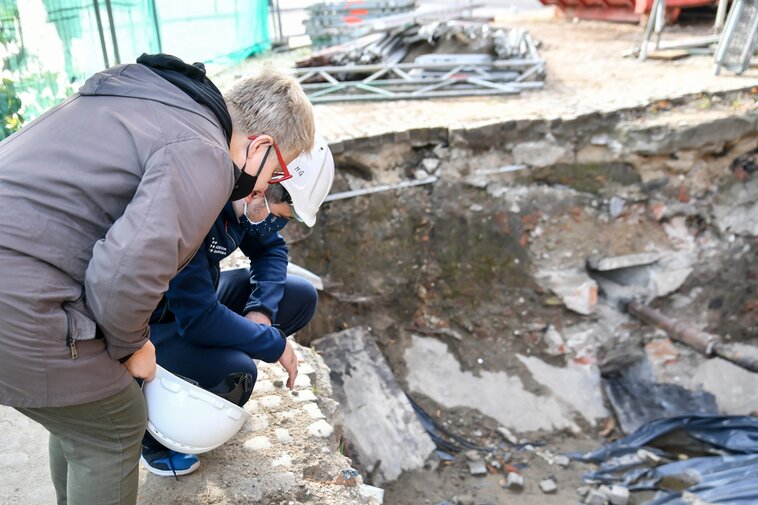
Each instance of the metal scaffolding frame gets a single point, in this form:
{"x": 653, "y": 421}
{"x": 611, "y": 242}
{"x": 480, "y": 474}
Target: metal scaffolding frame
{"x": 740, "y": 37}
{"x": 402, "y": 81}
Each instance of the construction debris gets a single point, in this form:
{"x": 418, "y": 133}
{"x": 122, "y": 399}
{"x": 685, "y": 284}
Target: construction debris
{"x": 703, "y": 459}
{"x": 636, "y": 399}
{"x": 385, "y": 431}
{"x": 477, "y": 468}
{"x": 548, "y": 486}
{"x": 441, "y": 57}
{"x": 330, "y": 22}
{"x": 514, "y": 481}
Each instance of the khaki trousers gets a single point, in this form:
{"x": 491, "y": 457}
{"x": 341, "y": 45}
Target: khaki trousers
{"x": 95, "y": 448}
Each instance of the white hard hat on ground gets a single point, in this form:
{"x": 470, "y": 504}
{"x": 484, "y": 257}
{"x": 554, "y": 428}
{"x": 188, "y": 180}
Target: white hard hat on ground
{"x": 187, "y": 418}
{"x": 312, "y": 177}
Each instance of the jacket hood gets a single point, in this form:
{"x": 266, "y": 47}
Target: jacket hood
{"x": 138, "y": 81}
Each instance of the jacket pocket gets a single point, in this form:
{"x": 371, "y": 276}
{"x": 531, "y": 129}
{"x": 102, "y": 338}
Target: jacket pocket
{"x": 80, "y": 325}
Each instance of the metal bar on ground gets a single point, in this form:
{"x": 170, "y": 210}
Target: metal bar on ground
{"x": 379, "y": 189}
{"x": 495, "y": 64}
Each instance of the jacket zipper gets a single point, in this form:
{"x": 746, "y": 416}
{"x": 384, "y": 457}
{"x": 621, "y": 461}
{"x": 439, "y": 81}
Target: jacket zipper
{"x": 70, "y": 342}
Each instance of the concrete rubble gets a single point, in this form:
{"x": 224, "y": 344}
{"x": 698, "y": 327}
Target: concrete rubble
{"x": 548, "y": 486}
{"x": 577, "y": 289}
{"x": 378, "y": 419}
{"x": 514, "y": 481}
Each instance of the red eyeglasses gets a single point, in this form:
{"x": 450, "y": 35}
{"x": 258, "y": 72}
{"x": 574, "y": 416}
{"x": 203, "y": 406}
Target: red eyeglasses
{"x": 284, "y": 173}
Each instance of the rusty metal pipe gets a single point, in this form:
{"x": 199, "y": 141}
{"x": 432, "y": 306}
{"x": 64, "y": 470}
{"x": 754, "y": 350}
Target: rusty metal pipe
{"x": 701, "y": 341}
{"x": 708, "y": 344}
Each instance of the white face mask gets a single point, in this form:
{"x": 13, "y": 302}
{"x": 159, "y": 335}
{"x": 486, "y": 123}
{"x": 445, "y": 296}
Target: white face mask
{"x": 268, "y": 211}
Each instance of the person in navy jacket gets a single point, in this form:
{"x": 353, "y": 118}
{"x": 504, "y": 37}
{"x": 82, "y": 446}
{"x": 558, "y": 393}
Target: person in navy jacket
{"x": 212, "y": 324}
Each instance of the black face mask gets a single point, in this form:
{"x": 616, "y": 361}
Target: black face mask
{"x": 245, "y": 183}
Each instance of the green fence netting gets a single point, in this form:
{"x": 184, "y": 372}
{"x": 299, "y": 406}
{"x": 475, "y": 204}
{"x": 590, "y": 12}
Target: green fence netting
{"x": 48, "y": 47}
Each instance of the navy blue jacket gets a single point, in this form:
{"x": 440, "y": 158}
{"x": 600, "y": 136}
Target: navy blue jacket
{"x": 192, "y": 305}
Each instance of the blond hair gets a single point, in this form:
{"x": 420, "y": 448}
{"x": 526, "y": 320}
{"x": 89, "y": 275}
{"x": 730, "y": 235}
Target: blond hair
{"x": 273, "y": 103}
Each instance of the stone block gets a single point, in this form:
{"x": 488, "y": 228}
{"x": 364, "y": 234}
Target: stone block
{"x": 302, "y": 381}
{"x": 378, "y": 417}
{"x": 478, "y": 468}
{"x": 284, "y": 460}
{"x": 548, "y": 486}
{"x": 514, "y": 481}
{"x": 270, "y": 402}
{"x": 320, "y": 429}
{"x": 305, "y": 395}
{"x": 595, "y": 498}
{"x": 562, "y": 460}
{"x": 283, "y": 436}
{"x": 305, "y": 369}
{"x": 264, "y": 386}
{"x": 539, "y": 154}
{"x": 313, "y": 411}
{"x": 619, "y": 495}
{"x": 257, "y": 422}
{"x": 372, "y": 492}
{"x": 257, "y": 444}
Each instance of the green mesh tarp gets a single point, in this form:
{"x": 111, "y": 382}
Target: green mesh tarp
{"x": 48, "y": 47}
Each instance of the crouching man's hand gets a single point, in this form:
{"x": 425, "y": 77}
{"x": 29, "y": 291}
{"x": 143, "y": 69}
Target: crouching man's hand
{"x": 289, "y": 362}
{"x": 142, "y": 363}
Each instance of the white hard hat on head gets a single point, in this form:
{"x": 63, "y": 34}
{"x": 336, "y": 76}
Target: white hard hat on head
{"x": 312, "y": 177}
{"x": 186, "y": 418}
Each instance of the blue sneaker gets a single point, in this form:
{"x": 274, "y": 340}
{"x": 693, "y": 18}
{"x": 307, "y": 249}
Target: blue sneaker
{"x": 165, "y": 462}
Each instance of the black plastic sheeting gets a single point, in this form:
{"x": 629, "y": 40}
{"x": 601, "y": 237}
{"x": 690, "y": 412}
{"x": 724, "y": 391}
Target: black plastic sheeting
{"x": 637, "y": 400}
{"x": 722, "y": 467}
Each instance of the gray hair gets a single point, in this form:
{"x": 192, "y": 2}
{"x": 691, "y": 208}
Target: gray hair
{"x": 275, "y": 193}
{"x": 273, "y": 103}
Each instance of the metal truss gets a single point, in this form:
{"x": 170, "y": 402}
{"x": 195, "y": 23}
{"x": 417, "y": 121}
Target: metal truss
{"x": 459, "y": 76}
{"x": 740, "y": 37}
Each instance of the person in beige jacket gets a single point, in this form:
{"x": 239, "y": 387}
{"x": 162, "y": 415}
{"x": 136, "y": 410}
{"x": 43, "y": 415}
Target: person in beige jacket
{"x": 103, "y": 199}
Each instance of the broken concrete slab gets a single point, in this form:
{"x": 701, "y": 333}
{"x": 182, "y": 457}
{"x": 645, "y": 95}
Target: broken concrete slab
{"x": 575, "y": 385}
{"x": 434, "y": 371}
{"x": 644, "y": 276}
{"x": 575, "y": 287}
{"x": 735, "y": 389}
{"x": 378, "y": 419}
